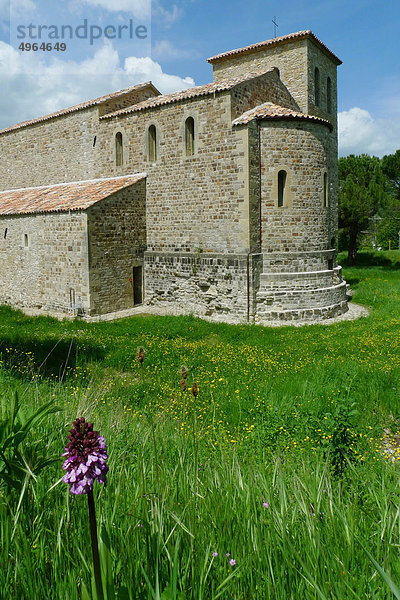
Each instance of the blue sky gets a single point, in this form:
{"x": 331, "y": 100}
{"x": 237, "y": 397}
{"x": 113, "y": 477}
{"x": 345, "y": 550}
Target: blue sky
{"x": 181, "y": 34}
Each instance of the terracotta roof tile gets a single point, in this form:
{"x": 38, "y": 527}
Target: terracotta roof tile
{"x": 268, "y": 110}
{"x": 81, "y": 106}
{"x": 273, "y": 42}
{"x": 200, "y": 90}
{"x": 63, "y": 197}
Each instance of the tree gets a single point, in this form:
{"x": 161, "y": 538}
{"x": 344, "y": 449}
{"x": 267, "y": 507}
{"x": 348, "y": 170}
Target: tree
{"x": 361, "y": 194}
{"x": 391, "y": 168}
{"x": 390, "y": 224}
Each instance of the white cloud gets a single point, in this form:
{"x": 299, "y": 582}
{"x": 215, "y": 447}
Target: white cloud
{"x": 63, "y": 83}
{"x": 22, "y": 8}
{"x": 141, "y": 9}
{"x": 5, "y": 11}
{"x": 141, "y": 68}
{"x": 166, "y": 16}
{"x": 361, "y": 133}
{"x": 164, "y": 50}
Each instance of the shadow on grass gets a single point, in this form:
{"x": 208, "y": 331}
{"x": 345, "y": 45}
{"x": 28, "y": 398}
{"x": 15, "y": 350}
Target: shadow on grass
{"x": 388, "y": 260}
{"x": 352, "y": 281}
{"x": 46, "y": 358}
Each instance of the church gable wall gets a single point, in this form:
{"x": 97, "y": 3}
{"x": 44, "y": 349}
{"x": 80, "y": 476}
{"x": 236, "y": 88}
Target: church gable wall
{"x": 252, "y": 93}
{"x": 58, "y": 150}
{"x": 43, "y": 261}
{"x": 290, "y": 58}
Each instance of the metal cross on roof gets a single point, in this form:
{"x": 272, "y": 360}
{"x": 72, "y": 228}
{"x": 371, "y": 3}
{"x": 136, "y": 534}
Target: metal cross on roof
{"x": 275, "y": 26}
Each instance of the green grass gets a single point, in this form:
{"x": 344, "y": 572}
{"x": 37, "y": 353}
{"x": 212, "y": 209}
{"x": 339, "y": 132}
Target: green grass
{"x": 276, "y": 411}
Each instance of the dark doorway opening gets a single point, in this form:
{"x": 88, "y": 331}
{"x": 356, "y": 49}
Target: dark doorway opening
{"x": 137, "y": 285}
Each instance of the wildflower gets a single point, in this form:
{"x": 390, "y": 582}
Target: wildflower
{"x": 140, "y": 354}
{"x": 86, "y": 458}
{"x": 86, "y": 461}
{"x": 214, "y": 554}
{"x": 227, "y": 555}
{"x": 265, "y": 505}
{"x": 184, "y": 371}
{"x": 232, "y": 562}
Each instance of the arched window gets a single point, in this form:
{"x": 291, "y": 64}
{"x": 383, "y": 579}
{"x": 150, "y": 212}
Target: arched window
{"x": 325, "y": 190}
{"x": 329, "y": 95}
{"x": 281, "y": 187}
{"x": 316, "y": 87}
{"x": 119, "y": 151}
{"x": 152, "y": 141}
{"x": 189, "y": 136}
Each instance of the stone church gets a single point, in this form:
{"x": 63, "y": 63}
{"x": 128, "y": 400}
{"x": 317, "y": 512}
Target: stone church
{"x": 220, "y": 200}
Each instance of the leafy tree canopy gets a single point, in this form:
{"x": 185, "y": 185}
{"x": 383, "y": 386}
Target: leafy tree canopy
{"x": 361, "y": 193}
{"x": 391, "y": 168}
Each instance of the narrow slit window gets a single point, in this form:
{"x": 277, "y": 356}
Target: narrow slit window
{"x": 316, "y": 87}
{"x": 325, "y": 190}
{"x": 281, "y": 187}
{"x": 189, "y": 136}
{"x": 119, "y": 152}
{"x": 5, "y": 233}
{"x": 26, "y": 240}
{"x": 152, "y": 143}
{"x": 329, "y": 95}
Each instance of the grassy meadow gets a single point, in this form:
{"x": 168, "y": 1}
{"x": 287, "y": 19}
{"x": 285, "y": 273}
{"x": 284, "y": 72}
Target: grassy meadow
{"x": 274, "y": 483}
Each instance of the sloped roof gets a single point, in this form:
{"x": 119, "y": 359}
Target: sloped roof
{"x": 63, "y": 197}
{"x": 274, "y": 42}
{"x": 268, "y": 110}
{"x": 89, "y": 103}
{"x": 200, "y": 90}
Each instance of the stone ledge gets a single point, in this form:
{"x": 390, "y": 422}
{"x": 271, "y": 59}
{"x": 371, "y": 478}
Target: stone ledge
{"x": 299, "y": 254}
{"x": 355, "y": 311}
{"x": 265, "y": 277}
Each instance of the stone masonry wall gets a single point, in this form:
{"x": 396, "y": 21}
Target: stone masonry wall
{"x": 296, "y": 62}
{"x": 254, "y": 161}
{"x": 327, "y": 68}
{"x": 299, "y": 279}
{"x": 193, "y": 202}
{"x": 48, "y": 270}
{"x": 266, "y": 88}
{"x": 304, "y": 223}
{"x": 126, "y": 100}
{"x": 117, "y": 240}
{"x": 290, "y": 58}
{"x": 54, "y": 151}
{"x": 60, "y": 149}
{"x": 208, "y": 285}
